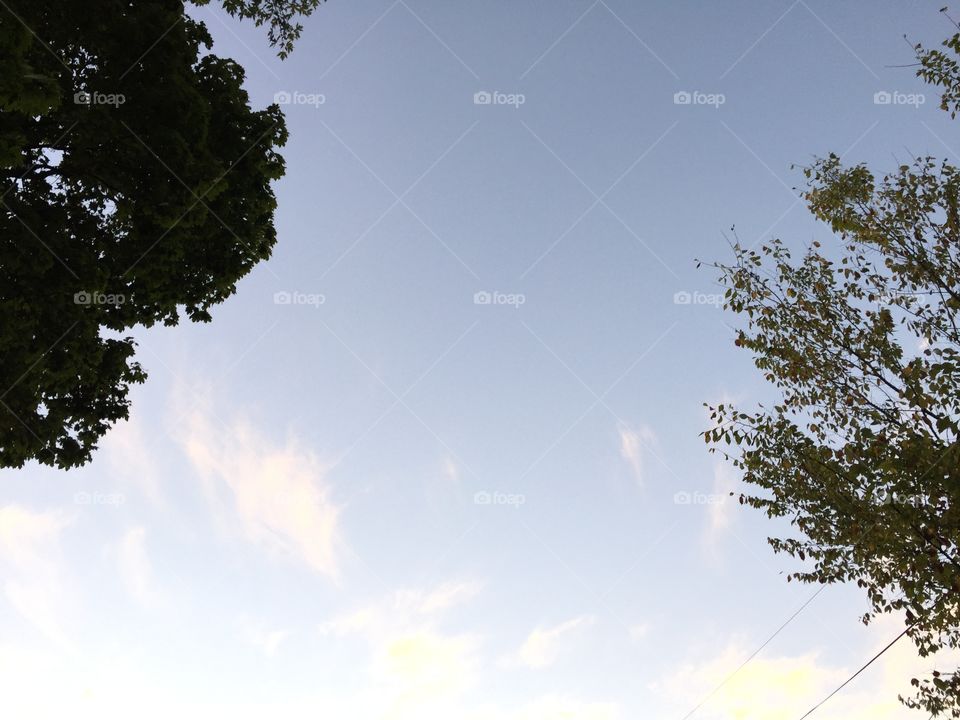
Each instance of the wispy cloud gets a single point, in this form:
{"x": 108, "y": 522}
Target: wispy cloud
{"x": 450, "y": 470}
{"x": 443, "y": 597}
{"x": 276, "y": 493}
{"x": 633, "y": 449}
{"x": 544, "y": 645}
{"x": 268, "y": 641}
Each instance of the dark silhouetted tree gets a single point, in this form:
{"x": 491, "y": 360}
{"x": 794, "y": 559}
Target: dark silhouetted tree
{"x": 136, "y": 190}
{"x": 279, "y": 15}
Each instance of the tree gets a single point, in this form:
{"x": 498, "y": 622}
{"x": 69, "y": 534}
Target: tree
{"x": 278, "y": 14}
{"x": 862, "y": 342}
{"x": 136, "y": 190}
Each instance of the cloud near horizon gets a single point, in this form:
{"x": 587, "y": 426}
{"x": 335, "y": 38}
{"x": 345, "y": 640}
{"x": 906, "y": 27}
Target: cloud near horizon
{"x": 783, "y": 687}
{"x": 418, "y": 669}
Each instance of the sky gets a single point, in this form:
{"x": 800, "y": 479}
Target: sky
{"x": 439, "y": 456}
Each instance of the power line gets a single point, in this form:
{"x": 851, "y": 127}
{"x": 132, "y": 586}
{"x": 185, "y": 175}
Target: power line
{"x": 787, "y": 622}
{"x": 850, "y": 679}
{"x": 754, "y": 653}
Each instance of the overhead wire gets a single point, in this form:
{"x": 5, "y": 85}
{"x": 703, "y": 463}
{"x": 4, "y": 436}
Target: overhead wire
{"x": 852, "y": 677}
{"x": 755, "y": 653}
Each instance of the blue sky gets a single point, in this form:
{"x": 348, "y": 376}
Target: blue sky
{"x": 439, "y": 457}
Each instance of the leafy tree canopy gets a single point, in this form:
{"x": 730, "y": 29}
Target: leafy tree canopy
{"x": 862, "y": 341}
{"x": 279, "y": 15}
{"x": 136, "y": 190}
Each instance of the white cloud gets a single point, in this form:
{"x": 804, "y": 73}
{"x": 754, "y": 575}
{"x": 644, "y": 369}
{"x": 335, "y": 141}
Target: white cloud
{"x": 784, "y": 687}
{"x": 418, "y": 669}
{"x": 633, "y": 444}
{"x": 30, "y": 555}
{"x": 441, "y": 598}
{"x": 543, "y": 646}
{"x": 402, "y": 608}
{"x": 275, "y": 493}
{"x": 352, "y": 623}
{"x": 450, "y": 471}
{"x": 267, "y": 641}
{"x": 422, "y": 666}
{"x": 271, "y": 641}
{"x": 766, "y": 688}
